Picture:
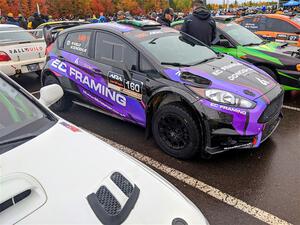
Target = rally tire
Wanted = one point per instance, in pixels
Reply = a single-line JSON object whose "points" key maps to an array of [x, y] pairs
{"points": [[269, 71], [65, 103], [176, 131]]}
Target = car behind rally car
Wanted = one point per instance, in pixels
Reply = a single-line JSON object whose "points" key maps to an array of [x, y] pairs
{"points": [[279, 60], [20, 52], [193, 99], [273, 27], [55, 173]]}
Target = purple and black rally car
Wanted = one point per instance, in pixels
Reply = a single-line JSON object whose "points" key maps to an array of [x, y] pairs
{"points": [[190, 98]]}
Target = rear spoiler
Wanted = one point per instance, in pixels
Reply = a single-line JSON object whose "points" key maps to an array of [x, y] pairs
{"points": [[50, 33]]}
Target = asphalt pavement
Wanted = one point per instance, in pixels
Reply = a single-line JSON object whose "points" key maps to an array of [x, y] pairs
{"points": [[266, 178]]}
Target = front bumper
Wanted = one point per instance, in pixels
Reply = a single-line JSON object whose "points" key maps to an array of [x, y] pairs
{"points": [[228, 128], [11, 68]]}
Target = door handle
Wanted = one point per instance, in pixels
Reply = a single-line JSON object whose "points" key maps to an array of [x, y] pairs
{"points": [[61, 57]]}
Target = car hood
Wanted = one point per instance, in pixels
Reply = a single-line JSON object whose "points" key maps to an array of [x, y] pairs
{"points": [[70, 164], [277, 53], [229, 74]]}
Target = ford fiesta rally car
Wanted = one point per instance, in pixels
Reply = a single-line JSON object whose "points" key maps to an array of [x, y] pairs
{"points": [[191, 98], [20, 52]]}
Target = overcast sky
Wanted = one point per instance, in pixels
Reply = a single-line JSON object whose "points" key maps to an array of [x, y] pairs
{"points": [[239, 1]]}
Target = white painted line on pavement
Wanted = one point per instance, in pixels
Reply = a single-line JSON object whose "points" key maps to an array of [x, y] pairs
{"points": [[201, 186], [291, 108]]}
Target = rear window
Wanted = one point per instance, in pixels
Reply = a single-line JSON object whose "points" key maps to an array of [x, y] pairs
{"points": [[78, 43], [15, 34]]}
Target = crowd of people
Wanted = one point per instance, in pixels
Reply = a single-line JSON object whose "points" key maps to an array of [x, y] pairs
{"points": [[199, 23]]}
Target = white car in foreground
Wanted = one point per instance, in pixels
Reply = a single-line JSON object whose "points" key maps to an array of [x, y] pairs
{"points": [[20, 52], [55, 173]]}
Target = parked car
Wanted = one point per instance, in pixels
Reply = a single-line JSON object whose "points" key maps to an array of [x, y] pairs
{"points": [[20, 51], [58, 25], [273, 27], [279, 60], [53, 172], [193, 99]]}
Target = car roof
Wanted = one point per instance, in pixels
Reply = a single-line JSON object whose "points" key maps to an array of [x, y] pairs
{"points": [[62, 22], [274, 16], [123, 28], [8, 26]]}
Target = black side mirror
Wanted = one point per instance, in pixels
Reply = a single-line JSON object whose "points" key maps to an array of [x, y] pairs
{"points": [[225, 43]]}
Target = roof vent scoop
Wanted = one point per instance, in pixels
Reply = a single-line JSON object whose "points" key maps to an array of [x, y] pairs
{"points": [[105, 204]]}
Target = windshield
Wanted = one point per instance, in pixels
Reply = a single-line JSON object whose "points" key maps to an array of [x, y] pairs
{"points": [[178, 49], [13, 34], [240, 34], [19, 116]]}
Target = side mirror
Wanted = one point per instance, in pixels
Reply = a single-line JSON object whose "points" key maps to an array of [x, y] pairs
{"points": [[50, 94], [225, 43]]}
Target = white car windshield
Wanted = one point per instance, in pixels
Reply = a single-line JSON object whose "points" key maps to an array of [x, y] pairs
{"points": [[19, 118], [15, 34]]}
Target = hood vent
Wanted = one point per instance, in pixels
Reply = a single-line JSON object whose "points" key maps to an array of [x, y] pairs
{"points": [[12, 201], [125, 186], [105, 204], [194, 79], [108, 202]]}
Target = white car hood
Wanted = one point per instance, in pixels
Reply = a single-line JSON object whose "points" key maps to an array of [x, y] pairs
{"points": [[70, 165]]}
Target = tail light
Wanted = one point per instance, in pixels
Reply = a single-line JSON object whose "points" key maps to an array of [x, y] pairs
{"points": [[48, 49], [4, 57]]}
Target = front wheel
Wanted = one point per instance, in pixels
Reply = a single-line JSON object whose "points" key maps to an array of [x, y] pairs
{"points": [[176, 131], [65, 103]]}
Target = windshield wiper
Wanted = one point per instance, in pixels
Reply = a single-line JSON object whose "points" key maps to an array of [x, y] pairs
{"points": [[253, 44], [206, 60], [18, 139], [176, 64]]}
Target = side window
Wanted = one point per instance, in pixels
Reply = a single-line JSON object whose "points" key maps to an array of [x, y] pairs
{"points": [[146, 66], [77, 43], [60, 40], [251, 23], [109, 46], [280, 26]]}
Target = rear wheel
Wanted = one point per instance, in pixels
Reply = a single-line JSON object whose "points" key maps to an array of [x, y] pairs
{"points": [[269, 71], [65, 103], [176, 131]]}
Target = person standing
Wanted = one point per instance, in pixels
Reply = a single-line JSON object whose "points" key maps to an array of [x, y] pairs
{"points": [[37, 20], [200, 23], [166, 18], [11, 20]]}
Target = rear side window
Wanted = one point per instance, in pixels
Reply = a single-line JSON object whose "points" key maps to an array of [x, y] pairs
{"points": [[109, 46], [250, 24], [277, 25], [77, 43]]}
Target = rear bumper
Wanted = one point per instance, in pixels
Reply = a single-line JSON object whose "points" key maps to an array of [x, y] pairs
{"points": [[11, 68]]}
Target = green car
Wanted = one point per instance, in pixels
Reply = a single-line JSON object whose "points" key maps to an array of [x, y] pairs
{"points": [[279, 60]]}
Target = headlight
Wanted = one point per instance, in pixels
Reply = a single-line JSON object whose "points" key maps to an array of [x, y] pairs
{"points": [[224, 97]]}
